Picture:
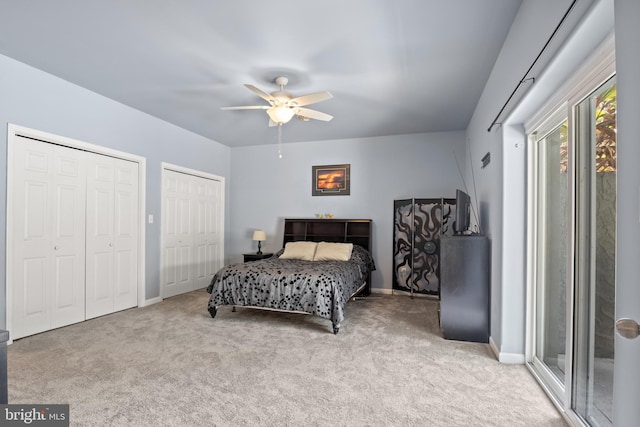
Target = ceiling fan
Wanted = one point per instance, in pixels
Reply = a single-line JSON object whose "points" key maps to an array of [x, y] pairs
{"points": [[283, 106]]}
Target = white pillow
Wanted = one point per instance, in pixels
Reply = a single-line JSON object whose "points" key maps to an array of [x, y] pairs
{"points": [[333, 251], [299, 250]]}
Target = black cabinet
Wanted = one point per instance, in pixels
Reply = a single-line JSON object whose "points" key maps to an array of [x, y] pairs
{"points": [[465, 292], [256, 257]]}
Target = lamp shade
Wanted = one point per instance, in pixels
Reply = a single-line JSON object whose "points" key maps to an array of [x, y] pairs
{"points": [[259, 235], [280, 114]]}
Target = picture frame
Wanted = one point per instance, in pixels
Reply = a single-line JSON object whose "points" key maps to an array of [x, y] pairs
{"points": [[331, 180]]}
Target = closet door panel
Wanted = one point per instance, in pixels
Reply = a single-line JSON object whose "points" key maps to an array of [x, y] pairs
{"points": [[48, 237], [69, 235], [99, 284], [100, 235], [32, 240], [205, 230], [112, 216], [213, 224], [65, 268], [192, 232], [33, 310], [177, 240], [126, 235], [125, 273], [35, 205]]}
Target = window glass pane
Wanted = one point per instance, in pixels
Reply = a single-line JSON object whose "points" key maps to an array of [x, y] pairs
{"points": [[594, 332], [551, 288]]}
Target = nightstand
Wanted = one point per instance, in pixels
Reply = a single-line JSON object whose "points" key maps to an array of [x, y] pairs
{"points": [[255, 257]]}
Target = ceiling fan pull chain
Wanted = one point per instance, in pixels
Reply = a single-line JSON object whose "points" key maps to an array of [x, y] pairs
{"points": [[280, 140]]}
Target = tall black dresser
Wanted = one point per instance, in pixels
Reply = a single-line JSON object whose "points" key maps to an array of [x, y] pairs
{"points": [[464, 289]]}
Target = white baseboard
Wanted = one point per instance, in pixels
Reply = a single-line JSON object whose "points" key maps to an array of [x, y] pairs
{"points": [[387, 291], [506, 358], [381, 291], [494, 348], [151, 301]]}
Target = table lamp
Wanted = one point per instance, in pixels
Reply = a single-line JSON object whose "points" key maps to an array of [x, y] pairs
{"points": [[259, 236]]}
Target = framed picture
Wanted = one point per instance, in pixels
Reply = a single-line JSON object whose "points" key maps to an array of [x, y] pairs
{"points": [[331, 180]]}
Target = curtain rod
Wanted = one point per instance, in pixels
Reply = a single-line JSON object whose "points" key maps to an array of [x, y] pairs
{"points": [[525, 78]]}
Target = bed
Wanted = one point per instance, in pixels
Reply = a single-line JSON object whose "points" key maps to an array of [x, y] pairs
{"points": [[292, 280]]}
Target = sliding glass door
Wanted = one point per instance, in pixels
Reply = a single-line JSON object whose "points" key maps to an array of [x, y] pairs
{"points": [[573, 254], [595, 267], [552, 245]]}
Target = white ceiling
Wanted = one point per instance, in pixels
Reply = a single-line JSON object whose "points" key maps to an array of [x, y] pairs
{"points": [[393, 66]]}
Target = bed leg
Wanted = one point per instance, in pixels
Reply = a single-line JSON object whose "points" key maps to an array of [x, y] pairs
{"points": [[233, 309], [213, 311], [336, 328]]}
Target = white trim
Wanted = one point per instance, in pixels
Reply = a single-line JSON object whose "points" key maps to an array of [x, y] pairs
{"points": [[414, 294], [13, 131], [181, 169], [549, 392], [194, 172], [506, 358], [597, 68], [382, 291], [494, 348], [151, 301]]}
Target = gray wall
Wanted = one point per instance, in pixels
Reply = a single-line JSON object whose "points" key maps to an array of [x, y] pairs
{"points": [[37, 100], [266, 189]]}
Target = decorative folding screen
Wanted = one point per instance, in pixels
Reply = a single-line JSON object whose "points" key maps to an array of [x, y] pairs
{"points": [[417, 227]]}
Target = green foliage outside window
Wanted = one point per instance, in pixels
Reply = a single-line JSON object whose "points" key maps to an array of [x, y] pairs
{"points": [[606, 133]]}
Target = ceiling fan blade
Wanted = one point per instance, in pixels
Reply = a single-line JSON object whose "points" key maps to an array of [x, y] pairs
{"points": [[313, 114], [262, 94], [248, 107], [312, 98]]}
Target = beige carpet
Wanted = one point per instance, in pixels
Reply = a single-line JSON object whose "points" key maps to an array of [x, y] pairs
{"points": [[172, 364]]}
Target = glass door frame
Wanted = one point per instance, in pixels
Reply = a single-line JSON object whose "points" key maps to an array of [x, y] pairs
{"points": [[587, 279], [595, 71], [557, 390]]}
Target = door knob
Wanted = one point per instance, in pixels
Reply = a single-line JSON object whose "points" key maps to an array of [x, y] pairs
{"points": [[55, 248], [627, 328]]}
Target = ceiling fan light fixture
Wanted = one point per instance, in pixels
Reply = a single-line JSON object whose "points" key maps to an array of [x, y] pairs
{"points": [[283, 106], [280, 114]]}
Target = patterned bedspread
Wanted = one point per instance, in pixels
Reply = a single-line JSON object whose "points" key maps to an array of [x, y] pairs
{"points": [[321, 288]]}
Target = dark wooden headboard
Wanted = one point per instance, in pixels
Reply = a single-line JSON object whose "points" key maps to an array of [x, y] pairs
{"points": [[356, 231]]}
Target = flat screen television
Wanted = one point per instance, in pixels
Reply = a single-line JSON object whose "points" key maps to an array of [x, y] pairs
{"points": [[463, 212]]}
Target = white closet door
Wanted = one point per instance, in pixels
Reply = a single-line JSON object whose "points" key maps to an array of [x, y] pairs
{"points": [[178, 256], [192, 231], [48, 237], [100, 234], [112, 213], [126, 235], [207, 235]]}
